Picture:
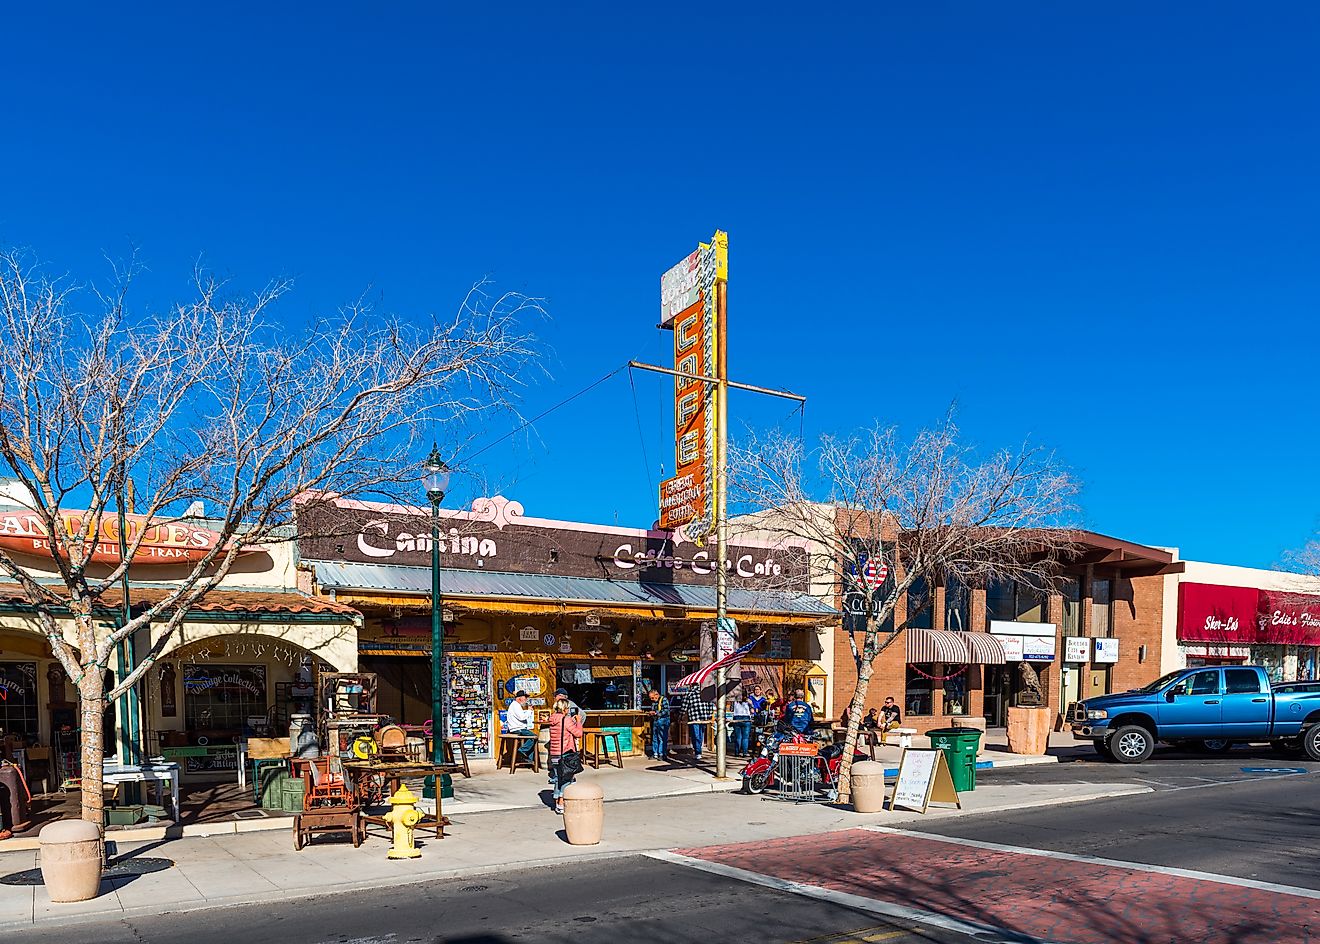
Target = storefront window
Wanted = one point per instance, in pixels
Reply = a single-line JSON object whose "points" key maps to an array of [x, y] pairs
{"points": [[598, 685], [920, 605], [919, 696], [218, 699], [1007, 600], [955, 694], [1272, 659], [1072, 608], [18, 706], [955, 606], [1099, 607]]}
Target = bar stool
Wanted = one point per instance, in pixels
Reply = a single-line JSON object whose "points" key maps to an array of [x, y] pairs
{"points": [[456, 743], [510, 755], [603, 739]]}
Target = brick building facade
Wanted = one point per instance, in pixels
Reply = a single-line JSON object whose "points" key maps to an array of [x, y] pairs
{"points": [[1111, 590]]}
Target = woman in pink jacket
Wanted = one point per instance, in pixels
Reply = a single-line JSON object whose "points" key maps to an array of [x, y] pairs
{"points": [[565, 727]]}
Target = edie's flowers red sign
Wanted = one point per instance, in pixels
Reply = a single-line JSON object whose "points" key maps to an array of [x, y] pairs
{"points": [[23, 532]]}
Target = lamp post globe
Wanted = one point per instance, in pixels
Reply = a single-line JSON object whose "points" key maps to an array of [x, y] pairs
{"points": [[436, 483]]}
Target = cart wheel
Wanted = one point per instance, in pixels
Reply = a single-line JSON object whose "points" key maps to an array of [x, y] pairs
{"points": [[357, 831], [297, 839]]}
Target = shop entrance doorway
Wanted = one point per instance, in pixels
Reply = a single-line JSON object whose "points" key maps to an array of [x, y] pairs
{"points": [[998, 691]]}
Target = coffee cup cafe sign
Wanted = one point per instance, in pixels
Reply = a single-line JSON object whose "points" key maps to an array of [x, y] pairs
{"points": [[363, 535]]}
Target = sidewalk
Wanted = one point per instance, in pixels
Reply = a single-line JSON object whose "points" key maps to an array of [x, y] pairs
{"points": [[489, 790], [261, 866]]}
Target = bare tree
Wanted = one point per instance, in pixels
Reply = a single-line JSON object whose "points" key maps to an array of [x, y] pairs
{"points": [[209, 401], [927, 509]]}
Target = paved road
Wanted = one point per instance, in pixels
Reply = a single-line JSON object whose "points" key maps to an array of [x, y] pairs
{"points": [[1168, 770], [634, 900], [1202, 858]]}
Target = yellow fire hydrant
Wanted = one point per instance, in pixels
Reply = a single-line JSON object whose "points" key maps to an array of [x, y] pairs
{"points": [[403, 816]]}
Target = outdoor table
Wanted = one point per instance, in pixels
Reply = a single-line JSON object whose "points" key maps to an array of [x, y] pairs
{"points": [[393, 773], [156, 775]]}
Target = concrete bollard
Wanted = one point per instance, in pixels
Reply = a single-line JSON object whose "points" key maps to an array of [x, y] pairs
{"points": [[584, 813], [867, 787], [71, 857]]}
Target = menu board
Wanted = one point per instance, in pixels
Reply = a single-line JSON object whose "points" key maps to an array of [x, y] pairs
{"points": [[923, 778], [469, 702]]}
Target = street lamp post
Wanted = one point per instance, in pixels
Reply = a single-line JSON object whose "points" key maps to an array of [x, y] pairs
{"points": [[436, 482]]}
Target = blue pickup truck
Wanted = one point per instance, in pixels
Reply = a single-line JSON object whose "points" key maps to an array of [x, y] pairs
{"points": [[1209, 708]]}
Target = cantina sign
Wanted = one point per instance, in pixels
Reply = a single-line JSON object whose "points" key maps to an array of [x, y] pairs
{"points": [[366, 536], [163, 542]]}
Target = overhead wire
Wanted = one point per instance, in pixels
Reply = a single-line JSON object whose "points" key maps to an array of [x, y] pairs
{"points": [[542, 415]]}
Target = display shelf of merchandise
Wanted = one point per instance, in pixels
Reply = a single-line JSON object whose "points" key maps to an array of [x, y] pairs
{"points": [[469, 703]]}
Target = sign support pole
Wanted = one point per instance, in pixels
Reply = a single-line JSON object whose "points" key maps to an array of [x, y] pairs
{"points": [[721, 384], [721, 520]]}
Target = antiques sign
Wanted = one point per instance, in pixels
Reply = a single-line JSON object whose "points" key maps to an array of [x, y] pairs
{"points": [[163, 542]]}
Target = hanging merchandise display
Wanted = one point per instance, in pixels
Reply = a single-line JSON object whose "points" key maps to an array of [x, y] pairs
{"points": [[470, 702]]}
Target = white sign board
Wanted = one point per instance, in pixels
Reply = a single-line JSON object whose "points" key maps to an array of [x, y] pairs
{"points": [[1038, 648], [1106, 650], [1076, 649], [923, 778], [1016, 628], [1012, 648]]}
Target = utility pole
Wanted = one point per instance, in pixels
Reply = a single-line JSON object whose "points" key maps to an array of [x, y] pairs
{"points": [[719, 385]]}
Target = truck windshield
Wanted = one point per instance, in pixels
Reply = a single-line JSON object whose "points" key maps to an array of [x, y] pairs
{"points": [[1159, 683]]}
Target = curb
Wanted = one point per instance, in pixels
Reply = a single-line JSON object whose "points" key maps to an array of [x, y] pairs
{"points": [[595, 854]]}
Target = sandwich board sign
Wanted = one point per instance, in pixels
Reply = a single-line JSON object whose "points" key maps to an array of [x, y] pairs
{"points": [[923, 779]]}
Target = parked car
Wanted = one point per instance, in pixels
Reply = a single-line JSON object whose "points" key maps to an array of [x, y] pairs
{"points": [[1212, 708]]}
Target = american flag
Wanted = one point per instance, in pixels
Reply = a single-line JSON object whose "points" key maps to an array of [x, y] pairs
{"points": [[701, 676]]}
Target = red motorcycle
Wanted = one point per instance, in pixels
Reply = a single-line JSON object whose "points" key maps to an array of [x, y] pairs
{"points": [[821, 775]]}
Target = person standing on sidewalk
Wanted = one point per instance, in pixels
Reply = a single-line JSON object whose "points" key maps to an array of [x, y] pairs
{"points": [[565, 727], [741, 738], [698, 713], [659, 710]]}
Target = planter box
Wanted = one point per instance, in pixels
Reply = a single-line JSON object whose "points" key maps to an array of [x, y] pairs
{"points": [[123, 815], [1029, 730]]}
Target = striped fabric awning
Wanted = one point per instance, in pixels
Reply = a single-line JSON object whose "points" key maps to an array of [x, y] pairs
{"points": [[941, 645], [986, 649]]}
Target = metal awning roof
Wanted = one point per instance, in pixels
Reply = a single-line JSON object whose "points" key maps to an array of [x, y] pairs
{"points": [[555, 588]]}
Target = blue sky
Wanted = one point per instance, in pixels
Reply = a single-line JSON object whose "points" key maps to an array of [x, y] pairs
{"points": [[1094, 227]]}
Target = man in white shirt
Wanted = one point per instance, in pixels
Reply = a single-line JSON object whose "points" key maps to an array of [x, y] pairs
{"points": [[518, 720]]}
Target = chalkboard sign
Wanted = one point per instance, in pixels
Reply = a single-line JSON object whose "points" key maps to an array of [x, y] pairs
{"points": [[923, 778]]}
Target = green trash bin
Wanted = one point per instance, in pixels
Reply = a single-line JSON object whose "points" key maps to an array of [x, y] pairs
{"points": [[959, 746]]}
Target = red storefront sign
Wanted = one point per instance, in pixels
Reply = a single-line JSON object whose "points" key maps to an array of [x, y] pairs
{"points": [[1245, 616], [163, 542], [1211, 613], [1290, 619]]}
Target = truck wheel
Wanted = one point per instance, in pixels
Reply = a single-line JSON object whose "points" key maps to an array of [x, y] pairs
{"points": [[1311, 742], [1215, 746], [1133, 744]]}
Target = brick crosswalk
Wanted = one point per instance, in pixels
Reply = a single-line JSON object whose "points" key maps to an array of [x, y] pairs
{"points": [[1025, 894]]}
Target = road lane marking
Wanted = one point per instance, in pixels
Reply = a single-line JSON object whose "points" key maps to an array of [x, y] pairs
{"points": [[990, 935], [1270, 887], [861, 936]]}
